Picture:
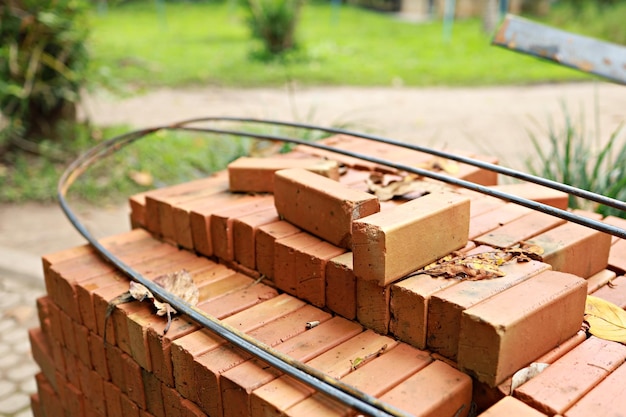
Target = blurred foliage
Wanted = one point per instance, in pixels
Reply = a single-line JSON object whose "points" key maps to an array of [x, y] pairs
{"points": [[43, 66], [572, 156], [603, 19], [274, 23]]}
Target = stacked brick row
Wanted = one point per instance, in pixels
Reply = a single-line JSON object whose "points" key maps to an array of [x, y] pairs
{"points": [[329, 252]]}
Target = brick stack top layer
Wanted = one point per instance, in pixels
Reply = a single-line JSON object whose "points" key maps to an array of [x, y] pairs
{"points": [[448, 342]]}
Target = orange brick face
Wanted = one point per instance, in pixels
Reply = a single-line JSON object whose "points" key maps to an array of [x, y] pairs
{"points": [[256, 175], [494, 341], [321, 206], [390, 244]]}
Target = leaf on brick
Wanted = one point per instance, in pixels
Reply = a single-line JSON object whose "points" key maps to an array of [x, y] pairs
{"points": [[606, 320], [481, 265], [387, 190], [441, 164], [526, 374]]}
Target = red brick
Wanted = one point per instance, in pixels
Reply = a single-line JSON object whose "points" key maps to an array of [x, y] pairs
{"points": [[72, 374], [93, 388], [190, 409], [200, 219], [113, 398], [159, 347], [116, 366], [311, 271], [154, 395], [221, 227], [134, 388], [568, 379], [373, 378], [617, 222], [321, 206], [615, 292], [599, 280], [519, 230], [188, 348], [172, 402], [264, 246], [285, 251], [284, 392], [494, 342], [239, 300], [372, 305], [341, 286], [574, 249], [151, 215], [36, 406], [98, 356], [256, 175], [244, 233], [409, 307], [82, 343], [391, 244], [129, 408], [617, 256], [290, 337], [605, 399], [42, 354], [445, 307], [50, 401], [536, 192], [490, 220], [137, 205], [478, 175], [509, 406], [164, 205], [437, 390], [73, 400]]}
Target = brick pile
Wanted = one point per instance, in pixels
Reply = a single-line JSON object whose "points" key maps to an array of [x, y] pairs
{"points": [[291, 247]]}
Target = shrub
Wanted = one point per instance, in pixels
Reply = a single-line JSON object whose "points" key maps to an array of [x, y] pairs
{"points": [[572, 158], [43, 64], [274, 22]]}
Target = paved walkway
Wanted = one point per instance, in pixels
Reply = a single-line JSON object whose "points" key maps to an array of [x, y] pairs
{"points": [[485, 120]]}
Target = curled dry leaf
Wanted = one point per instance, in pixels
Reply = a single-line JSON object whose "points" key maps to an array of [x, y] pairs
{"points": [[441, 164], [142, 178], [606, 320], [387, 190], [526, 374], [178, 283], [481, 265]]}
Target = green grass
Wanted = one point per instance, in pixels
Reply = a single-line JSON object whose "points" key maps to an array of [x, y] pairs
{"points": [[209, 43], [165, 157]]}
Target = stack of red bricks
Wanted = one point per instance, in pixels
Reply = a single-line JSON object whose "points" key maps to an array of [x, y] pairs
{"points": [[305, 260]]}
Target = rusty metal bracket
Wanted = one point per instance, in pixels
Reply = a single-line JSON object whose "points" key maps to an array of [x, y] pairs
{"points": [[605, 59]]}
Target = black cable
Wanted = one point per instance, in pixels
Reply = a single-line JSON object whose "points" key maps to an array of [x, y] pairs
{"points": [[356, 399]]}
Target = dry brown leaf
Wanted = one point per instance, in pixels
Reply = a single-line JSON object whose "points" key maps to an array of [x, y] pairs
{"points": [[386, 191], [441, 164], [606, 320], [526, 374], [178, 283]]}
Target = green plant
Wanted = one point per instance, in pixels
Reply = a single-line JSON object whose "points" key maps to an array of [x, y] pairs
{"points": [[274, 22], [572, 158], [43, 64]]}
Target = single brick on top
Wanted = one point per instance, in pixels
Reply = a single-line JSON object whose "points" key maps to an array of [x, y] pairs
{"points": [[321, 206], [390, 244], [256, 175], [508, 331]]}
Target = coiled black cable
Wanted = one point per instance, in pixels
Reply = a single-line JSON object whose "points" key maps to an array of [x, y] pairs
{"points": [[347, 394]]}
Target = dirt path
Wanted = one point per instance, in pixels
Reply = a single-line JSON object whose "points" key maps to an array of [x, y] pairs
{"points": [[491, 120]]}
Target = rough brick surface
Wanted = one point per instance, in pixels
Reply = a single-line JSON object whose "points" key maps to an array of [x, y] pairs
{"points": [[321, 206], [264, 244], [445, 307], [519, 230], [256, 175], [605, 399], [536, 192], [509, 406], [574, 249], [341, 286], [390, 244], [579, 370], [494, 341]]}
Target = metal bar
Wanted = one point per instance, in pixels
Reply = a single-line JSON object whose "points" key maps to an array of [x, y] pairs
{"points": [[583, 53], [356, 399], [588, 195]]}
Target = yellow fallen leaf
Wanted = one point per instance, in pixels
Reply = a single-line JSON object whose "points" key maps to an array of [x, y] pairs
{"points": [[142, 178], [606, 320]]}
